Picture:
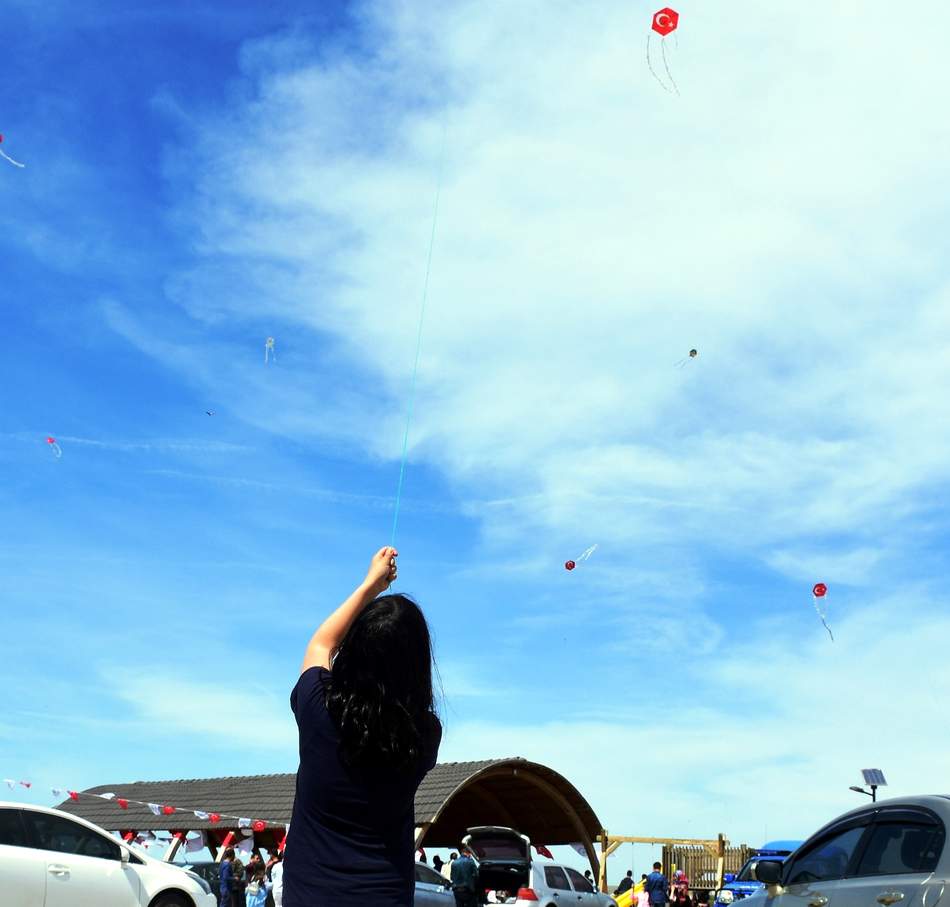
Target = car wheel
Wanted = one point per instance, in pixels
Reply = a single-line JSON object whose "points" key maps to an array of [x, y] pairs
{"points": [[171, 900]]}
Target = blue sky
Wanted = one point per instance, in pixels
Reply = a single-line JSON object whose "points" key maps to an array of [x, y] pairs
{"points": [[201, 176]]}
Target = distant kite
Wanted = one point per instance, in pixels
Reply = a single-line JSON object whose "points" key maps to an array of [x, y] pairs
{"points": [[692, 355], [53, 446], [665, 21], [570, 565], [269, 350], [209, 412], [818, 592], [7, 157]]}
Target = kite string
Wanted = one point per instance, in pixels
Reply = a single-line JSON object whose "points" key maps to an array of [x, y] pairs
{"points": [[663, 85], [10, 159], [422, 315], [666, 65]]}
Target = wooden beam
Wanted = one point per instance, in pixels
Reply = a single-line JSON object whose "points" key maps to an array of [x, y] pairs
{"points": [[178, 838], [712, 843]]}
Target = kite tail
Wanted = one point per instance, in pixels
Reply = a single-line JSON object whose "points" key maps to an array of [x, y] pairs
{"points": [[10, 159], [664, 86], [666, 66], [832, 635], [422, 315]]}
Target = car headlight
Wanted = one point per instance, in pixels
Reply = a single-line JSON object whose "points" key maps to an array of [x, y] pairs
{"points": [[205, 887], [725, 896]]}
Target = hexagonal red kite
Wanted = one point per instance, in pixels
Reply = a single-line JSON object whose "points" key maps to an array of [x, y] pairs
{"points": [[665, 21]]}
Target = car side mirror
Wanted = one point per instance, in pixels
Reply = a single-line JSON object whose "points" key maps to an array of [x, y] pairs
{"points": [[768, 872], [125, 854]]}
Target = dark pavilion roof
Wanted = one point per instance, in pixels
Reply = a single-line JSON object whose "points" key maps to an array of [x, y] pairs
{"points": [[453, 796]]}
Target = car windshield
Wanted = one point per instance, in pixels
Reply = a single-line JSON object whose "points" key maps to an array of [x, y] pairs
{"points": [[745, 874]]}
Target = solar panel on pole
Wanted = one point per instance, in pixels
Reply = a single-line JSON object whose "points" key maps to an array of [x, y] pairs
{"points": [[873, 777]]}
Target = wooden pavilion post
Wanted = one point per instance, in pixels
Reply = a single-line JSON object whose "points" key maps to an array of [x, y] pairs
{"points": [[720, 860]]}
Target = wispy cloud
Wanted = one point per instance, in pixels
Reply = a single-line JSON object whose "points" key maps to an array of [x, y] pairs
{"points": [[246, 715]]}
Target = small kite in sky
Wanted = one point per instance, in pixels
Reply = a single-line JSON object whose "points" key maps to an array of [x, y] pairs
{"points": [[7, 157], [692, 355], [209, 412], [53, 446], [665, 21], [818, 592], [269, 350], [570, 565]]}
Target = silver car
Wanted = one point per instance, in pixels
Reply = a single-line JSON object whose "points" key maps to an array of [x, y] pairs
{"points": [[879, 855], [432, 890]]}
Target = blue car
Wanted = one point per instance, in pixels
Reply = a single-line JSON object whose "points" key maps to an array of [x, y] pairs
{"points": [[744, 883]]}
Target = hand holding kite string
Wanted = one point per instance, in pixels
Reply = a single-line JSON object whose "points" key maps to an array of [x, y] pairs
{"points": [[382, 570], [664, 22], [7, 157], [570, 565], [818, 592]]}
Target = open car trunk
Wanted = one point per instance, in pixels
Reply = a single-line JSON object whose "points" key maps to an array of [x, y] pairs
{"points": [[503, 856]]}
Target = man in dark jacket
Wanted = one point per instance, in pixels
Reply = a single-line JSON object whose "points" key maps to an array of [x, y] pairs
{"points": [[626, 883], [657, 887], [226, 885], [465, 879]]}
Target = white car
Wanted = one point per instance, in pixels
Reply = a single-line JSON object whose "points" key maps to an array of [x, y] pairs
{"points": [[888, 853], [504, 864], [49, 858]]}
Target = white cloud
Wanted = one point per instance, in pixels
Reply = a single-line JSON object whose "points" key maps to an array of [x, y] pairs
{"points": [[240, 713], [768, 734], [592, 229], [782, 216]]}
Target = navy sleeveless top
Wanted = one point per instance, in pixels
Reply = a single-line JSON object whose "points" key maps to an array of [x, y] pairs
{"points": [[351, 839]]}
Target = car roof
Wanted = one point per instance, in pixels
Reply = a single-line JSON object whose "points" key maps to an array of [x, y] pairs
{"points": [[780, 845], [52, 811], [938, 803]]}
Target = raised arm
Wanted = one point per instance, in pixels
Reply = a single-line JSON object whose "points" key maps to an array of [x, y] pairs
{"points": [[329, 635]]}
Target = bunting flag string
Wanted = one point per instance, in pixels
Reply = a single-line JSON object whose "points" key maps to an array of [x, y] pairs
{"points": [[159, 809]]}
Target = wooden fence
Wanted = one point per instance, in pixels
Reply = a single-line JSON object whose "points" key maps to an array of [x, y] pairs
{"points": [[701, 864]]}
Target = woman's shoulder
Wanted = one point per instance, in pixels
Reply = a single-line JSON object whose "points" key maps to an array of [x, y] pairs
{"points": [[310, 687]]}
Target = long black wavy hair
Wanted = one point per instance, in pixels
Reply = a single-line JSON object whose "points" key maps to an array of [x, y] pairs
{"points": [[379, 693]]}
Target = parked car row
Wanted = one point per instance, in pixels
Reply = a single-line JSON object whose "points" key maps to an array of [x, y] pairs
{"points": [[51, 859], [888, 853]]}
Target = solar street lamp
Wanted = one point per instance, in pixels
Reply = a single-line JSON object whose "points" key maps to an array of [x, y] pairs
{"points": [[873, 778]]}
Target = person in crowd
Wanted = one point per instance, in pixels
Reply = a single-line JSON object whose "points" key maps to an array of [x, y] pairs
{"points": [[590, 879], [643, 896], [680, 892], [277, 882], [368, 735], [657, 886], [240, 882], [626, 883], [226, 879], [256, 892], [437, 863], [447, 867], [268, 875], [465, 879]]}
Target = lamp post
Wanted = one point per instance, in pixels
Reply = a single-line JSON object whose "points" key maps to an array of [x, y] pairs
{"points": [[873, 778]]}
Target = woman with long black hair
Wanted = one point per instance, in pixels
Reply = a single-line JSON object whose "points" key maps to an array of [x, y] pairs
{"points": [[368, 735]]}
